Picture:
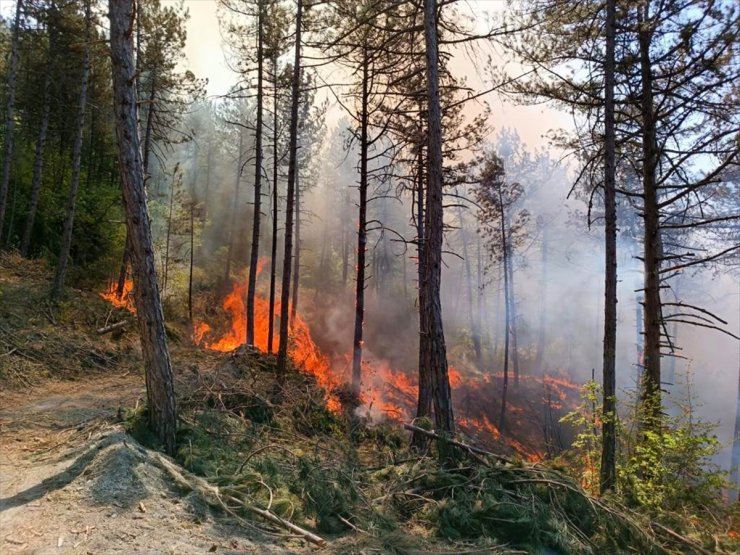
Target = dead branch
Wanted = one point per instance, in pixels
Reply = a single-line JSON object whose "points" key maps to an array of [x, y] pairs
{"points": [[112, 327], [459, 444]]}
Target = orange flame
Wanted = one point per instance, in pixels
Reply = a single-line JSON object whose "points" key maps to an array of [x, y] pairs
{"points": [[124, 301], [386, 392]]}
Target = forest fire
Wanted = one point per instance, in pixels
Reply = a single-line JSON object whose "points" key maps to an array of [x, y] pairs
{"points": [[126, 300], [392, 394]]}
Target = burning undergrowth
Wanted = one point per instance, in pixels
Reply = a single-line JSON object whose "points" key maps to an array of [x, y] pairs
{"points": [[534, 405]]}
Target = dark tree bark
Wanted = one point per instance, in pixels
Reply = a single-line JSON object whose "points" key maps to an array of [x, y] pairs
{"points": [[282, 359], [273, 250], [361, 230], [345, 244], [10, 114], [123, 271], [38, 164], [512, 325], [66, 247], [297, 256], [254, 257], [159, 384], [166, 269], [608, 472], [193, 202], [735, 460], [433, 361], [146, 147], [424, 401], [507, 310], [542, 327], [472, 314], [652, 242]]}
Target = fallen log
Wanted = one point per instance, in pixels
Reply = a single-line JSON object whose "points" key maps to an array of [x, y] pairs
{"points": [[458, 444], [112, 327]]}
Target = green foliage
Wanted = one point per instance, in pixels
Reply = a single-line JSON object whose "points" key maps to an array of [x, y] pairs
{"points": [[670, 469], [585, 451], [663, 468], [312, 417]]}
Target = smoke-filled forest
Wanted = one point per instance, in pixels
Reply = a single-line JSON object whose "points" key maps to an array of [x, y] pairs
{"points": [[382, 276]]}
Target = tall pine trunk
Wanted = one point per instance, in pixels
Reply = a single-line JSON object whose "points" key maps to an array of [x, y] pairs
{"points": [[608, 473], [146, 149], [361, 231], [652, 246], [10, 114], [512, 326], [424, 401], [38, 164], [542, 326], [507, 311], [254, 257], [273, 250], [297, 256], [161, 406], [282, 359], [472, 315], [433, 361], [64, 252]]}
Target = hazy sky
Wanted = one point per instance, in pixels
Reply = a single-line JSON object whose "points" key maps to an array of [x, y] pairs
{"points": [[205, 57]]}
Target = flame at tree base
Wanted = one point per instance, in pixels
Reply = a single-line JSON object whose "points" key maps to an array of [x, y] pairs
{"points": [[126, 300]]}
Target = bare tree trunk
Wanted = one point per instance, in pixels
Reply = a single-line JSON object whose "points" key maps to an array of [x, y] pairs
{"points": [[192, 253], [652, 248], [282, 359], [735, 461], [207, 188], [361, 231], [254, 258], [512, 326], [38, 164], [166, 268], [61, 271], [507, 311], [608, 473], [474, 328], [193, 181], [10, 114], [122, 273], [160, 390], [232, 228], [297, 257], [434, 353], [345, 243], [273, 251], [424, 402], [542, 331], [146, 147]]}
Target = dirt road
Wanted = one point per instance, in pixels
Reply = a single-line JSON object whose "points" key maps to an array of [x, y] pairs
{"points": [[71, 481]]}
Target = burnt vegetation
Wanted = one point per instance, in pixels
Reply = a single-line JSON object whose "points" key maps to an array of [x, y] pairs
{"points": [[370, 315]]}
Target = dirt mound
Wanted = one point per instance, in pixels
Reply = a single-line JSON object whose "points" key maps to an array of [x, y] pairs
{"points": [[108, 495], [71, 481]]}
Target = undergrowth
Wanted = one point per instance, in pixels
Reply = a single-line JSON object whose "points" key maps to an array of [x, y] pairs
{"points": [[363, 486]]}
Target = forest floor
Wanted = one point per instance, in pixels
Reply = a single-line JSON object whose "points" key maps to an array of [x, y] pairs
{"points": [[80, 473], [72, 481]]}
